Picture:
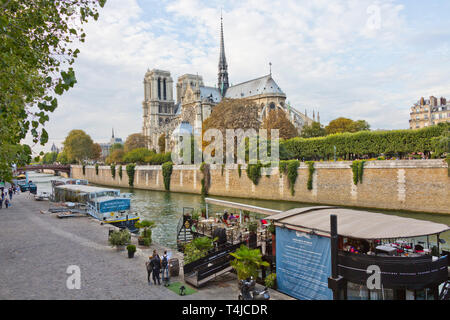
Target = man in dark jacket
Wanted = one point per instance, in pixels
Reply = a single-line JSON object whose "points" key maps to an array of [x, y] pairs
{"points": [[149, 265], [156, 264]]}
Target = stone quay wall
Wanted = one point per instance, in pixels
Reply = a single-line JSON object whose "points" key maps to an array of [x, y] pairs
{"points": [[412, 185]]}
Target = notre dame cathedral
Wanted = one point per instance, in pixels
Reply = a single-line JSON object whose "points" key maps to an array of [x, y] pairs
{"points": [[163, 116]]}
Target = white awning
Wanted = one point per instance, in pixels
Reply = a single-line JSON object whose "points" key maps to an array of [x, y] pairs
{"points": [[356, 223], [241, 206]]}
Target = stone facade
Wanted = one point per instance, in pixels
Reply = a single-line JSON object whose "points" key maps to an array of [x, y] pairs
{"points": [[413, 185], [426, 113]]}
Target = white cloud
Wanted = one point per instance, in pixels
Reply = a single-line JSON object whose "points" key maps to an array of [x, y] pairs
{"points": [[325, 55]]}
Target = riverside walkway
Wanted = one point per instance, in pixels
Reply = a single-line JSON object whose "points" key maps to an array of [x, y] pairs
{"points": [[37, 248]]}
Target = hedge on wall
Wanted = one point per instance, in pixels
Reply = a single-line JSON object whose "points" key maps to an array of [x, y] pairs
{"points": [[120, 172], [311, 170], [206, 180], [357, 169], [290, 168], [254, 172], [84, 169], [130, 172], [113, 170], [96, 168], [167, 172], [354, 145]]}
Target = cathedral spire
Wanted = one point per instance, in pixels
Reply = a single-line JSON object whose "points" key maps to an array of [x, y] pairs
{"points": [[223, 67]]}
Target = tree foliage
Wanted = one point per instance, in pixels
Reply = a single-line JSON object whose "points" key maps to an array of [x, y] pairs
{"points": [[134, 141], [276, 119], [341, 125], [315, 129], [78, 146], [36, 54]]}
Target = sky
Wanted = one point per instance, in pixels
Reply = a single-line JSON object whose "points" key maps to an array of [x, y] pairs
{"points": [[360, 59]]}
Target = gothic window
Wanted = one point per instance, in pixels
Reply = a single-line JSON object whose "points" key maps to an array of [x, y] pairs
{"points": [[167, 120], [159, 88], [159, 109], [160, 121], [272, 106], [164, 89]]}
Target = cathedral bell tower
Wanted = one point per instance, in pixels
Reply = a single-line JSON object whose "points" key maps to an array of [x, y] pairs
{"points": [[223, 67]]}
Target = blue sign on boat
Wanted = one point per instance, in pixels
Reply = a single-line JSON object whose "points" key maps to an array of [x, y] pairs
{"points": [[303, 265], [114, 205]]}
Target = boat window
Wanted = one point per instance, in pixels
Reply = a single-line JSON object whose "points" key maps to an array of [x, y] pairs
{"points": [[357, 291]]}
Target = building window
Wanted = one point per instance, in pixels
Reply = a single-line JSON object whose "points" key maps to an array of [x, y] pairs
{"points": [[159, 88], [164, 89]]}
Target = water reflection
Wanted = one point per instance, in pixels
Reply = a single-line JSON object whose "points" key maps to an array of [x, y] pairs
{"points": [[166, 208]]}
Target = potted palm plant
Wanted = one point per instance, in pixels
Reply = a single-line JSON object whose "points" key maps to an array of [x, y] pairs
{"points": [[247, 262], [131, 250]]}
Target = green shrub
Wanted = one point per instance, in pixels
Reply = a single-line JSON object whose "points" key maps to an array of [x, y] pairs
{"points": [[357, 169], [119, 238], [292, 173], [96, 169], [120, 172], [311, 170], [371, 143], [254, 172], [270, 280], [131, 248], [84, 169], [167, 168], [130, 172], [239, 170], [113, 170]]}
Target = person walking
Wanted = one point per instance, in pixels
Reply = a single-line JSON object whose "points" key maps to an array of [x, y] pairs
{"points": [[149, 265], [10, 193], [156, 265], [1, 203], [6, 203], [165, 268]]}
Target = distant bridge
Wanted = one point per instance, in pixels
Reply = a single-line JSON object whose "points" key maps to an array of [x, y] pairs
{"points": [[55, 167]]}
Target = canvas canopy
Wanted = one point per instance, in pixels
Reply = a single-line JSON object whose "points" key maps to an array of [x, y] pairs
{"points": [[356, 223], [241, 206]]}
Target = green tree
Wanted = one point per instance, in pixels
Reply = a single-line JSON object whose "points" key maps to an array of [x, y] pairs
{"points": [[137, 155], [49, 158], [315, 129], [116, 146], [276, 119], [115, 157], [36, 53], [162, 143], [62, 158], [134, 141], [78, 146], [341, 125]]}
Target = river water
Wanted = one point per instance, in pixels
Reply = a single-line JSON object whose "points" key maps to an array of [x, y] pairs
{"points": [[166, 208]]}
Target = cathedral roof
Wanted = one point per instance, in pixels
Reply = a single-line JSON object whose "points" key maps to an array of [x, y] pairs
{"points": [[210, 92], [263, 85]]}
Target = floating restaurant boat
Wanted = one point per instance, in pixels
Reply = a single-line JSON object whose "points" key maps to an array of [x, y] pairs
{"points": [[336, 253], [362, 255], [104, 204]]}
